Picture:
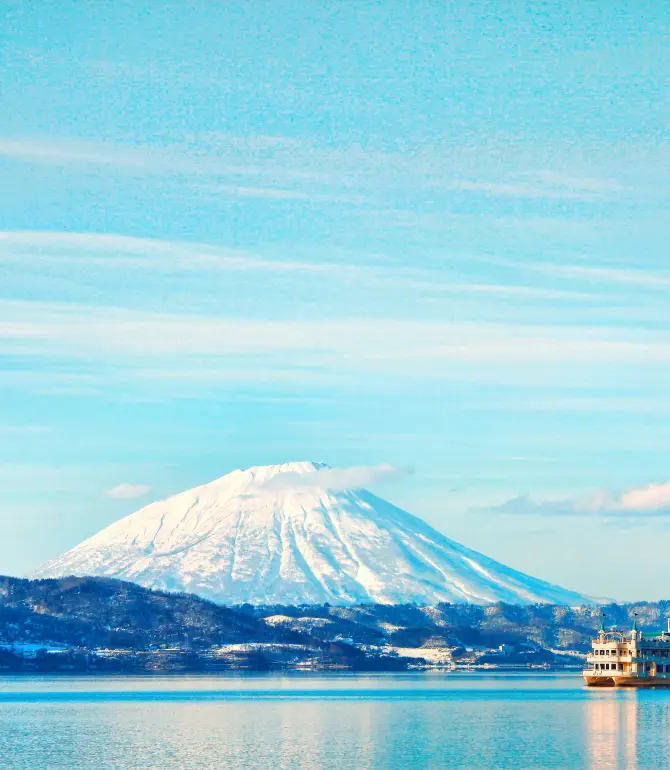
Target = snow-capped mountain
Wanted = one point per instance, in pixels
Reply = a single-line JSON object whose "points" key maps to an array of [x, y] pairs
{"points": [[282, 534]]}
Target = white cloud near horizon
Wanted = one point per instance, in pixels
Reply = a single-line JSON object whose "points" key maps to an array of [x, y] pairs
{"points": [[127, 491], [648, 501], [356, 477]]}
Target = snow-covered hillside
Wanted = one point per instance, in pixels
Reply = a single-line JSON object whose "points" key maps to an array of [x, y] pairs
{"points": [[273, 534]]}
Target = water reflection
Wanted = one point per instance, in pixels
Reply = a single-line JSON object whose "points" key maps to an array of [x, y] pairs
{"points": [[627, 729], [612, 729]]}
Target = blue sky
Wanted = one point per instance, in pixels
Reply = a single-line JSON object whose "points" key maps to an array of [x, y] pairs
{"points": [[433, 236]]}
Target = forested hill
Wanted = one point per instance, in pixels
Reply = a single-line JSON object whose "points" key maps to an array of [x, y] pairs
{"points": [[106, 613], [101, 612]]}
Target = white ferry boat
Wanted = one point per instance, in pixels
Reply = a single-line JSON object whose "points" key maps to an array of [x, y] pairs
{"points": [[629, 659]]}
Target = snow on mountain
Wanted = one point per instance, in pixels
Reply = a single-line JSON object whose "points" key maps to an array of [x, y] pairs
{"points": [[287, 534]]}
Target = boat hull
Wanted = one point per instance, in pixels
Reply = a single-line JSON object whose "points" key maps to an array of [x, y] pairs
{"points": [[626, 681], [599, 681]]}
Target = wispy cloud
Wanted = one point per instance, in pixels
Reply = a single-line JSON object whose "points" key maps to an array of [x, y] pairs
{"points": [[126, 491], [543, 184], [560, 179], [61, 152], [648, 279], [281, 194], [150, 160], [273, 166], [140, 346], [257, 166], [24, 430], [92, 330], [355, 477], [122, 252], [650, 501]]}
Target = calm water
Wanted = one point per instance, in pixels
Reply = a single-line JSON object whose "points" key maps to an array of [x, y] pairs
{"points": [[381, 721]]}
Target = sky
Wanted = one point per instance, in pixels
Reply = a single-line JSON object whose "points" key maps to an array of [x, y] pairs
{"points": [[432, 236]]}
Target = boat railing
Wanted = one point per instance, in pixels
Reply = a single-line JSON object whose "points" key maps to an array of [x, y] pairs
{"points": [[651, 640]]}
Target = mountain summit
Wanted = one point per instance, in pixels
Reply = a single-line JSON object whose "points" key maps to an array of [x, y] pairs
{"points": [[289, 534]]}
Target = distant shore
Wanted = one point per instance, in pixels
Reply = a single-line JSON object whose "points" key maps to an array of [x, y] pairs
{"points": [[106, 626]]}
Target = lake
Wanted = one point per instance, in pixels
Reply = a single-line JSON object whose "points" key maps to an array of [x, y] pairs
{"points": [[417, 720]]}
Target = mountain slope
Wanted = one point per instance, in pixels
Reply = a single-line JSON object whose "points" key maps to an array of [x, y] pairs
{"points": [[273, 534]]}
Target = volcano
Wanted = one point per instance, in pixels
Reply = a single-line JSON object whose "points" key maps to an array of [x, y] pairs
{"points": [[281, 534]]}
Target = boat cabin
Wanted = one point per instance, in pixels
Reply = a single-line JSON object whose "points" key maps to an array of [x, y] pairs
{"points": [[618, 658]]}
